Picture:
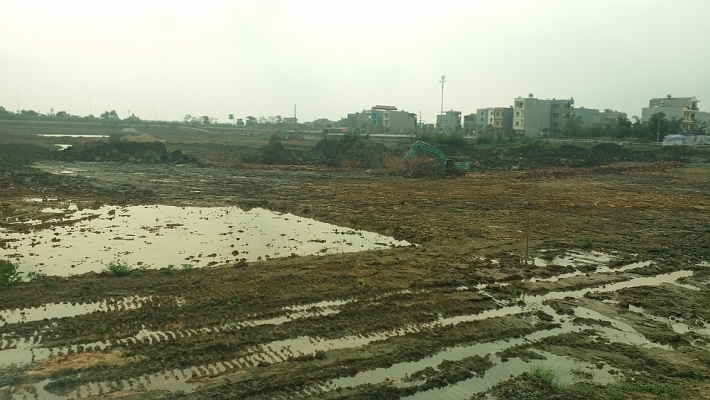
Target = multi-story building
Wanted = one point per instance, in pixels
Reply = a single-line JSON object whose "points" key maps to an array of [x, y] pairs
{"points": [[358, 122], [450, 121], [469, 123], [586, 116], [682, 108], [382, 119], [503, 120], [484, 120], [536, 117]]}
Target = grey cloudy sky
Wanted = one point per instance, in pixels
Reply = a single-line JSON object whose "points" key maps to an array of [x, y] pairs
{"points": [[333, 57]]}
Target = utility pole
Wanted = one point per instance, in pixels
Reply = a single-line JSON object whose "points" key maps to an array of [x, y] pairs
{"points": [[658, 130], [294, 112], [442, 81]]}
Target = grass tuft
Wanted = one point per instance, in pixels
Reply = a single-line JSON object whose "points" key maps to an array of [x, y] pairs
{"points": [[548, 377]]}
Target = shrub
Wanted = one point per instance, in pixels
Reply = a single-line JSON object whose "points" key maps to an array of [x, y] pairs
{"points": [[8, 273]]}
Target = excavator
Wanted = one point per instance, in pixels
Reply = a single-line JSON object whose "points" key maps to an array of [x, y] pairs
{"points": [[450, 166]]}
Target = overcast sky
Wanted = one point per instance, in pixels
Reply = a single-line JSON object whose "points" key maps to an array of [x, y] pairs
{"points": [[332, 57]]}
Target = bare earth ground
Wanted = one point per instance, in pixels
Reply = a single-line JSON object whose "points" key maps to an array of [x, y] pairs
{"points": [[456, 317]]}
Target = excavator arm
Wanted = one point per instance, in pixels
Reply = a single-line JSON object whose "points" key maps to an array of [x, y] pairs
{"points": [[419, 145]]}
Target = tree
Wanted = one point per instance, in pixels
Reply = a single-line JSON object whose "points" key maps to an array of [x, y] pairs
{"points": [[62, 114], [110, 115], [623, 127], [699, 128], [205, 119]]}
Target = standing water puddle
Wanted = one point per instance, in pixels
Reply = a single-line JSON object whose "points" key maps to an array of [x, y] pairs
{"points": [[159, 236]]}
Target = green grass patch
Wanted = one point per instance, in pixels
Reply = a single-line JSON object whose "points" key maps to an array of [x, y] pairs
{"points": [[660, 390], [586, 243]]}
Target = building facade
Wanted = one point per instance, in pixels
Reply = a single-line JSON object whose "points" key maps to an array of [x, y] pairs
{"points": [[450, 121], [534, 117], [381, 119], [503, 120], [586, 116], [469, 123], [682, 108], [484, 120]]}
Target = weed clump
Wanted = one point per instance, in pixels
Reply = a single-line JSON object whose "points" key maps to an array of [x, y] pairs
{"points": [[119, 268], [36, 276]]}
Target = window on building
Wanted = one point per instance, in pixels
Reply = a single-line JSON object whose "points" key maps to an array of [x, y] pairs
{"points": [[517, 123], [555, 106], [518, 104], [497, 113], [555, 124], [556, 115], [517, 113]]}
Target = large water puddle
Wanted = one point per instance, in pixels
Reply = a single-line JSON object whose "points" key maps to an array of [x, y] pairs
{"points": [[160, 236]]}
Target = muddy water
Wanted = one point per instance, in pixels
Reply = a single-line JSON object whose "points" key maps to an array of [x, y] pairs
{"points": [[74, 136], [677, 324], [279, 351], [514, 367], [60, 310], [583, 259], [159, 236]]}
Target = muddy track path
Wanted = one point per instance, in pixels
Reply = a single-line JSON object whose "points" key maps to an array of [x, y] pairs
{"points": [[615, 299]]}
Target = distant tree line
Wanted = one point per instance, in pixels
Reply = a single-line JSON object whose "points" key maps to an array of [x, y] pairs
{"points": [[656, 127]]}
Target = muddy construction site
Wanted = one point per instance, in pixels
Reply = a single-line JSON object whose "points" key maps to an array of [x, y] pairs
{"points": [[206, 264]]}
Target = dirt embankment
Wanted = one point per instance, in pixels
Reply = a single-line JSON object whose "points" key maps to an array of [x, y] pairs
{"points": [[128, 151], [372, 155]]}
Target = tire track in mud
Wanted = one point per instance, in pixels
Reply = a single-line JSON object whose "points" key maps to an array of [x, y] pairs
{"points": [[283, 350], [25, 350], [66, 309], [396, 375]]}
